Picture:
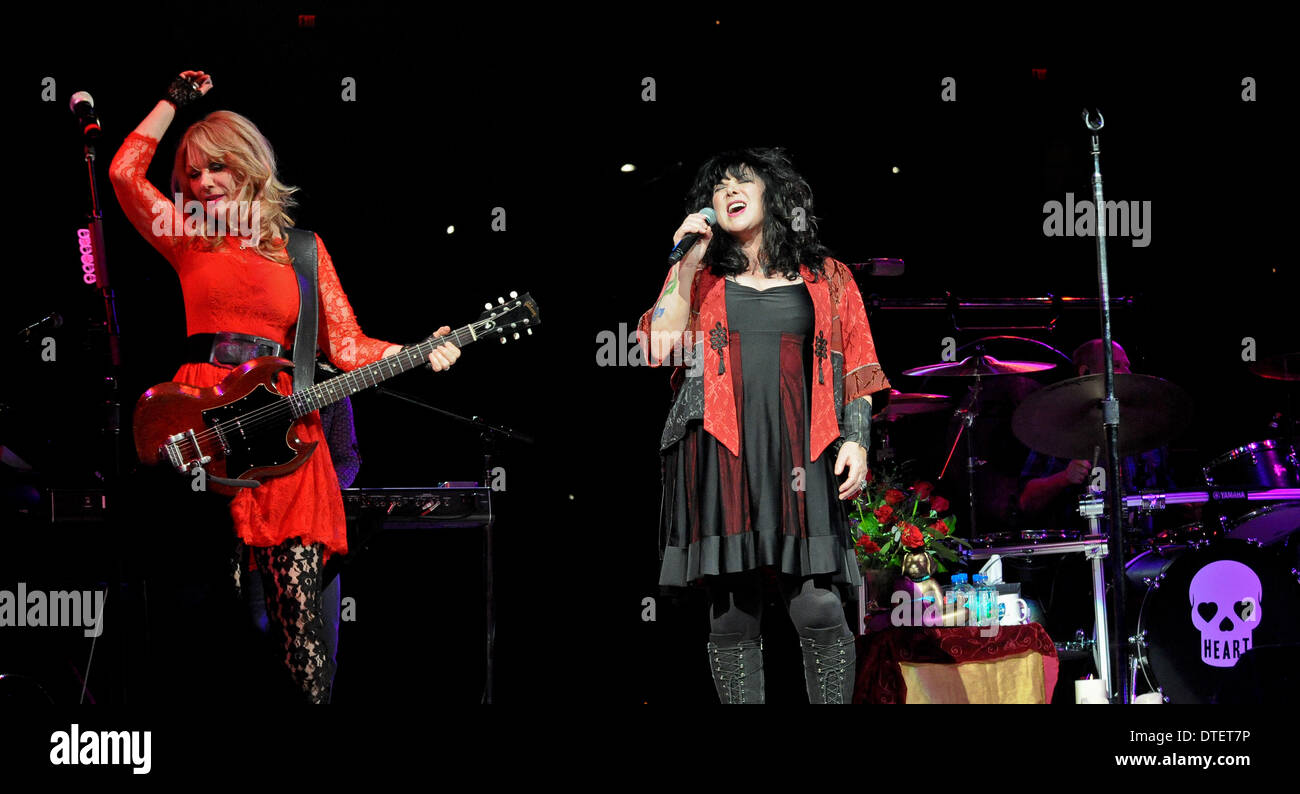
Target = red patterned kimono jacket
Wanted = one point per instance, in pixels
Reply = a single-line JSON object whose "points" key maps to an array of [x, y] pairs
{"points": [[845, 369]]}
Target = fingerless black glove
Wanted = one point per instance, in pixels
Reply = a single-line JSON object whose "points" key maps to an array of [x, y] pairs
{"points": [[182, 92]]}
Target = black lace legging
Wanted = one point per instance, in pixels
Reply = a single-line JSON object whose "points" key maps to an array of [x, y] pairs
{"points": [[291, 582]]}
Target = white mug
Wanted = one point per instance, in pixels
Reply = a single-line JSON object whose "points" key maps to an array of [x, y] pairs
{"points": [[1012, 610]]}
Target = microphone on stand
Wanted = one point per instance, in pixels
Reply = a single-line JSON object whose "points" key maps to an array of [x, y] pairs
{"points": [[54, 320], [83, 107], [688, 242]]}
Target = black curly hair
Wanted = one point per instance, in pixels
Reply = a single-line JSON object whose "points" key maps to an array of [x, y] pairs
{"points": [[784, 191]]}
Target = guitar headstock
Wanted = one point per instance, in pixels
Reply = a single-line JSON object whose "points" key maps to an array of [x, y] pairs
{"points": [[509, 319]]}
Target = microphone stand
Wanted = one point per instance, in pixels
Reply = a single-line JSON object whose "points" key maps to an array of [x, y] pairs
{"points": [[1110, 421], [489, 434], [113, 416], [112, 426]]}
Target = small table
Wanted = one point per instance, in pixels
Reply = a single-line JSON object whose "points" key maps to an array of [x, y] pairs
{"points": [[1017, 664]]}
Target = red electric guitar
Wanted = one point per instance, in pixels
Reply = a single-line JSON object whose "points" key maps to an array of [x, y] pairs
{"points": [[241, 431]]}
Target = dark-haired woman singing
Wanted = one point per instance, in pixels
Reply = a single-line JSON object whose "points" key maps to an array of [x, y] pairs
{"points": [[775, 369]]}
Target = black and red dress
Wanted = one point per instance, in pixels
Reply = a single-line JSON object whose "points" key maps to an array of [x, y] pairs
{"points": [[770, 506]]}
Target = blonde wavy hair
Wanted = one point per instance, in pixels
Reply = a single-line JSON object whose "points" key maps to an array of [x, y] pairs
{"points": [[230, 139]]}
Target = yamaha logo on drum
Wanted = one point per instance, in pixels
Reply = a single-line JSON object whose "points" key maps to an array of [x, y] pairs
{"points": [[1225, 597]]}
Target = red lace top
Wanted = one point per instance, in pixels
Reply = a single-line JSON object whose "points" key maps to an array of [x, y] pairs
{"points": [[239, 290]]}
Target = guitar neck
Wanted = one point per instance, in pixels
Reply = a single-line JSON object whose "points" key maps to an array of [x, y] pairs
{"points": [[409, 357]]}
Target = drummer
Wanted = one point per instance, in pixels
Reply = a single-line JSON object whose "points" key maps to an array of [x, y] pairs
{"points": [[1050, 487]]}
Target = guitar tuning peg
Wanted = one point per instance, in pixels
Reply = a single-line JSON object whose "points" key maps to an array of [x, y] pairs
{"points": [[529, 332], [516, 336], [501, 300], [514, 294], [503, 340], [487, 306]]}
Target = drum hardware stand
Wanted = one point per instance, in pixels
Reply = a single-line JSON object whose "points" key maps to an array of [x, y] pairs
{"points": [[1156, 500], [1135, 663], [1092, 509], [968, 417], [1137, 645], [952, 304], [1153, 501], [884, 452], [1109, 408]]}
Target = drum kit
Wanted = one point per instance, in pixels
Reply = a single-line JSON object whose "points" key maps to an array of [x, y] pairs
{"points": [[1200, 596]]}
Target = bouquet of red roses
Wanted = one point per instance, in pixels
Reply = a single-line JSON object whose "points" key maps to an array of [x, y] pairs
{"points": [[890, 521]]}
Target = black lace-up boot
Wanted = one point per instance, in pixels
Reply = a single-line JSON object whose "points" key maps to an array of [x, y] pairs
{"points": [[829, 664], [737, 668]]}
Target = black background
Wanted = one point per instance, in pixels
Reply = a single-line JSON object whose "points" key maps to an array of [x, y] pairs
{"points": [[457, 115]]}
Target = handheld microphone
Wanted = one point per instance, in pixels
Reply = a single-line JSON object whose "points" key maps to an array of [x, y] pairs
{"points": [[688, 242], [83, 107]]}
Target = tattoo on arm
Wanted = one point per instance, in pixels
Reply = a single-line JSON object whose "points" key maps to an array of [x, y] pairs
{"points": [[659, 313], [672, 285]]}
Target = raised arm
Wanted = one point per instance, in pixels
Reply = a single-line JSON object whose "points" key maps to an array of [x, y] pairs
{"points": [[662, 326], [152, 214]]}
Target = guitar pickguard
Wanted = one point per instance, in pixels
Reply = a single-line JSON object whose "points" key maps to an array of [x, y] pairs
{"points": [[253, 440]]}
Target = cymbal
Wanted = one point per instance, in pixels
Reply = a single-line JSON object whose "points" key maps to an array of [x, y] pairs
{"points": [[1064, 420], [979, 365], [1285, 366], [909, 404]]}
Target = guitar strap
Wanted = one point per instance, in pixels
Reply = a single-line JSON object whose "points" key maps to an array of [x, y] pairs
{"points": [[301, 245]]}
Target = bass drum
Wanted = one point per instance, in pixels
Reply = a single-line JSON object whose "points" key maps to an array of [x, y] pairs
{"points": [[1203, 607]]}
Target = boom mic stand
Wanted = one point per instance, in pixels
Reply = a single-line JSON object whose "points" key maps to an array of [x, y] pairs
{"points": [[1110, 421], [488, 434]]}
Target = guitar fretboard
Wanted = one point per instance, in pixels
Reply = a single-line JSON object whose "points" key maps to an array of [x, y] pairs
{"points": [[408, 358]]}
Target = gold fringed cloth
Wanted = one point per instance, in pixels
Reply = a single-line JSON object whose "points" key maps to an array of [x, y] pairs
{"points": [[1018, 664]]}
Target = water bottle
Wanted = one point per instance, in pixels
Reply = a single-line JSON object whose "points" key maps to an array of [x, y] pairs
{"points": [[991, 608], [985, 599], [956, 598]]}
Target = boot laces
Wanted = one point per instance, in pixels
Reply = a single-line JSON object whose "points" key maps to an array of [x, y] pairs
{"points": [[729, 668], [832, 664]]}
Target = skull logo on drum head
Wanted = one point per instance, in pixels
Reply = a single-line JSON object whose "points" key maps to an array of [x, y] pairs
{"points": [[1225, 598]]}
